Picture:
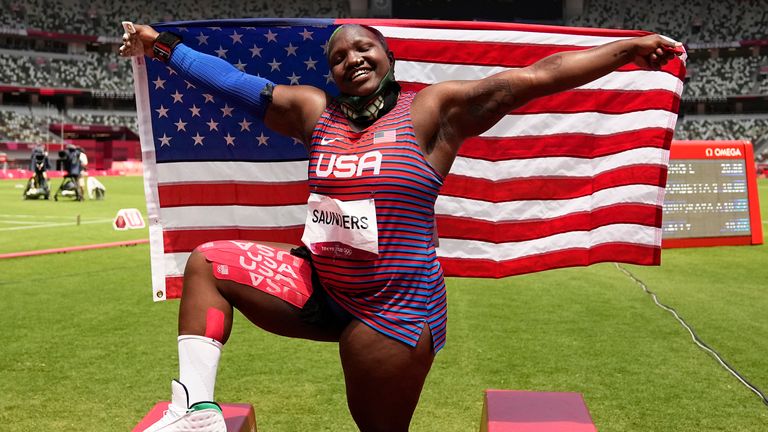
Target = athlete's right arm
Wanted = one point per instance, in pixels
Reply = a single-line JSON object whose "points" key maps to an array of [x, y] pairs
{"points": [[292, 111]]}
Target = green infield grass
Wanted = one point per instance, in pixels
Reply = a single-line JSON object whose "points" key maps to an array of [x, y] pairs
{"points": [[86, 349], [45, 224]]}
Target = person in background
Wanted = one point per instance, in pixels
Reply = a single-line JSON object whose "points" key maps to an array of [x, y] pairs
{"points": [[82, 179], [39, 164]]}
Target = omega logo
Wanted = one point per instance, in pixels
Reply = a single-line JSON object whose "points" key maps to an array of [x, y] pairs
{"points": [[727, 152]]}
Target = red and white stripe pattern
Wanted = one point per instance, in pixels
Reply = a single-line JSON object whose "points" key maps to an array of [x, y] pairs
{"points": [[570, 179]]}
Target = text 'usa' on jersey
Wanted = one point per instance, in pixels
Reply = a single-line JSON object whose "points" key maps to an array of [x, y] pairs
{"points": [[382, 159]]}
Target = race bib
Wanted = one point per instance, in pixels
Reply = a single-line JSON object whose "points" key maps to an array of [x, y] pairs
{"points": [[341, 229]]}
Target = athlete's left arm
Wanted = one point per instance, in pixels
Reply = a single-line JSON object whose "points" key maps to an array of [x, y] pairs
{"points": [[446, 114]]}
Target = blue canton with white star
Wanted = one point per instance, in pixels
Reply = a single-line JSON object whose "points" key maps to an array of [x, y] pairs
{"points": [[195, 124]]}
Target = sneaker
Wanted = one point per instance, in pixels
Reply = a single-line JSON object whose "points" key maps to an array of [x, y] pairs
{"points": [[180, 417]]}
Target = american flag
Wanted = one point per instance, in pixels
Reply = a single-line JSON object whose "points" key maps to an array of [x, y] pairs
{"points": [[570, 179]]}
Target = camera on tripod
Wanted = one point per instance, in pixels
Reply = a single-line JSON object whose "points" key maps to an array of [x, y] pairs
{"points": [[69, 161]]}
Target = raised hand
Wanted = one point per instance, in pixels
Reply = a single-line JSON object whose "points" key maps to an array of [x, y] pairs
{"points": [[654, 51], [137, 40]]}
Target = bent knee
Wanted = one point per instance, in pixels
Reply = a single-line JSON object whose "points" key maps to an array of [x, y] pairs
{"points": [[197, 264]]}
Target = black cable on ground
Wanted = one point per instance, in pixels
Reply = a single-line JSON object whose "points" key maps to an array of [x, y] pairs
{"points": [[694, 336]]}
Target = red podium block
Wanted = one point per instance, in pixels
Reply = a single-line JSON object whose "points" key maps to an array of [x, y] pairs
{"points": [[239, 417], [525, 411]]}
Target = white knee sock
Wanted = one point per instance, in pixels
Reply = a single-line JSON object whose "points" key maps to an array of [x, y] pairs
{"points": [[198, 364]]}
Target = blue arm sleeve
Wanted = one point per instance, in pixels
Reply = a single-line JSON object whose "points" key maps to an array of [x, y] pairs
{"points": [[211, 72]]}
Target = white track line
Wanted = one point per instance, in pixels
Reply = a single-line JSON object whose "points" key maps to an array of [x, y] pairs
{"points": [[13, 222], [56, 225], [35, 216]]}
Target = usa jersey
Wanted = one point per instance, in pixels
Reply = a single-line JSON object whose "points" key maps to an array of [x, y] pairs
{"points": [[403, 288]]}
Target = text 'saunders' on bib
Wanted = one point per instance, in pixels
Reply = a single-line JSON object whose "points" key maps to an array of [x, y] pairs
{"points": [[341, 229]]}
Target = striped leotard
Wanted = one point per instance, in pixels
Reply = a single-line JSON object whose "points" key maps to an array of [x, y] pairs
{"points": [[402, 289]]}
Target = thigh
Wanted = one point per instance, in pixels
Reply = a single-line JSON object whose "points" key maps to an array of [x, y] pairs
{"points": [[384, 377], [274, 314]]}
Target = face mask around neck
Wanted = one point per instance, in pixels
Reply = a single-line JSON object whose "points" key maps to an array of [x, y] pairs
{"points": [[367, 109]]}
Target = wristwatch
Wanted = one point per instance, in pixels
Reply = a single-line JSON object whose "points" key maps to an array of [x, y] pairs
{"points": [[164, 44]]}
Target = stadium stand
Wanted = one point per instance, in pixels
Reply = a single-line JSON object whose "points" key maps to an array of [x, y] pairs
{"points": [[86, 71], [22, 69], [102, 72], [22, 124], [722, 127], [717, 77], [103, 19], [691, 21], [102, 117]]}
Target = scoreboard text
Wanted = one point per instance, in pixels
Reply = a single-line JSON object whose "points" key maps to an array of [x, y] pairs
{"points": [[711, 195]]}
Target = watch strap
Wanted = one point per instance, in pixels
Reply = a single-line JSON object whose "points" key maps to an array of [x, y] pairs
{"points": [[164, 44]]}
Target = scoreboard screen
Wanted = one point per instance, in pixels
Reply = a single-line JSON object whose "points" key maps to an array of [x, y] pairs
{"points": [[711, 195]]}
